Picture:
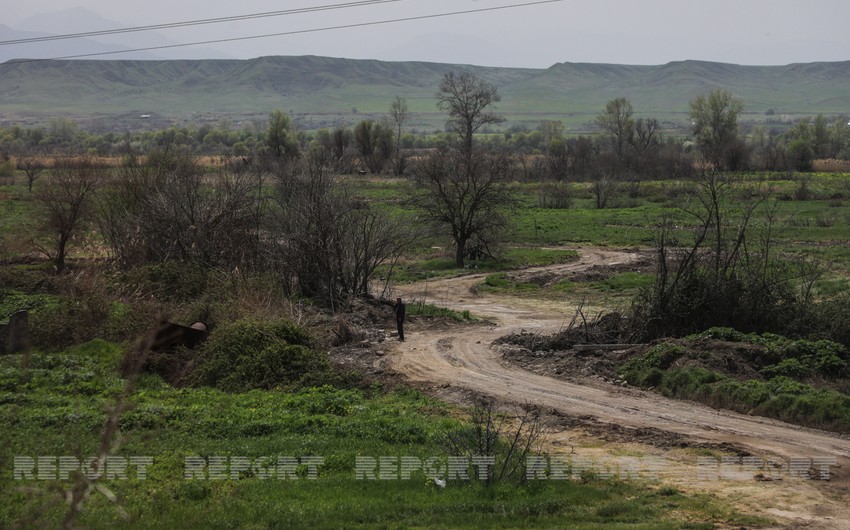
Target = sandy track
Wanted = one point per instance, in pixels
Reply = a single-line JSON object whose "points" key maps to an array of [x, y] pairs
{"points": [[462, 358]]}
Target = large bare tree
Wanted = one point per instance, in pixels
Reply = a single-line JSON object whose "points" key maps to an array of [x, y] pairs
{"points": [[329, 244], [466, 193], [463, 188], [468, 100]]}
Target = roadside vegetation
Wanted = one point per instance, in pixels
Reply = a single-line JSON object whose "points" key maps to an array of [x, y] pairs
{"points": [[798, 381]]}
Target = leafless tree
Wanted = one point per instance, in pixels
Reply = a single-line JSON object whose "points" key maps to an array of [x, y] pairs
{"points": [[169, 209], [468, 101], [33, 167], [329, 244], [398, 116], [605, 186], [461, 187], [66, 197], [468, 194], [509, 438]]}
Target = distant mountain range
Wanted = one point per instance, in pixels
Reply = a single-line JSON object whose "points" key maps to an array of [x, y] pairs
{"points": [[322, 91]]}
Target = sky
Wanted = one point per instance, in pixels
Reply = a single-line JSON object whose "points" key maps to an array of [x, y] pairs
{"points": [[752, 32]]}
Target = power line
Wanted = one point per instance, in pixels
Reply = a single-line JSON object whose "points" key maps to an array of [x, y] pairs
{"points": [[301, 31], [200, 22]]}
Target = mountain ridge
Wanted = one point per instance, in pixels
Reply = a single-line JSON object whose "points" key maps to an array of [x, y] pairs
{"points": [[312, 86]]}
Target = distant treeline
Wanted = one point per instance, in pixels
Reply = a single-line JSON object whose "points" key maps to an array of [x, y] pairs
{"points": [[639, 147]]}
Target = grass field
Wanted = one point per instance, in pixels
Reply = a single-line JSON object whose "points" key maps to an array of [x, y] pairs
{"points": [[56, 406]]}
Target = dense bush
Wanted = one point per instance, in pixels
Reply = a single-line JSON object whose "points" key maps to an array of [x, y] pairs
{"points": [[248, 354]]}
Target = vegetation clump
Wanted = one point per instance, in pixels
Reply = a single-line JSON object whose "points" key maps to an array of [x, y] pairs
{"points": [[799, 381], [249, 354]]}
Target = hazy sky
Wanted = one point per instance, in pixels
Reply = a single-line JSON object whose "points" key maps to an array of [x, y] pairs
{"points": [[613, 31]]}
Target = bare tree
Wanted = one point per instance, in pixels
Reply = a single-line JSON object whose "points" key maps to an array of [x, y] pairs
{"points": [[328, 244], [398, 116], [33, 167], [169, 209], [646, 142], [508, 438], [468, 100], [605, 186], [468, 194], [463, 188], [66, 197]]}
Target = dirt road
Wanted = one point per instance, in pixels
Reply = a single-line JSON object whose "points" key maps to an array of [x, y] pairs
{"points": [[462, 358]]}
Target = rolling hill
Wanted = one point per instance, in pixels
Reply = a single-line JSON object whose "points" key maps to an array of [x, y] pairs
{"points": [[322, 91]]}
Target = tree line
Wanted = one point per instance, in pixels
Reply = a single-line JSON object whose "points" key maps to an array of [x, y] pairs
{"points": [[622, 142]]}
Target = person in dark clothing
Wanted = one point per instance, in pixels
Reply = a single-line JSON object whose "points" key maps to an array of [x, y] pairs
{"points": [[399, 317]]}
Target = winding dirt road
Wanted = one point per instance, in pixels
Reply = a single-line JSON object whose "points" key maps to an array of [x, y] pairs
{"points": [[462, 358]]}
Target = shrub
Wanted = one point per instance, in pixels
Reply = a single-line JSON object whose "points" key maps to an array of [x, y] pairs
{"points": [[247, 354], [556, 195], [648, 370], [169, 280], [7, 168], [76, 318], [660, 356]]}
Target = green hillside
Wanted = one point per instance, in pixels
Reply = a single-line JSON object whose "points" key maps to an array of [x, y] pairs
{"points": [[321, 91]]}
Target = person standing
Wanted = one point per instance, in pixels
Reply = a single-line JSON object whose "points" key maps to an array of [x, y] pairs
{"points": [[399, 310]]}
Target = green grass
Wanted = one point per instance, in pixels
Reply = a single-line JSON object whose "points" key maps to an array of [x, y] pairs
{"points": [[56, 406], [428, 310], [500, 282]]}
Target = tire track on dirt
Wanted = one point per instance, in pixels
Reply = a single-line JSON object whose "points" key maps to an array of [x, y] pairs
{"points": [[462, 358]]}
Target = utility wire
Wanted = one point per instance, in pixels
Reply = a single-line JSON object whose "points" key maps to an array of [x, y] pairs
{"points": [[299, 32], [200, 22]]}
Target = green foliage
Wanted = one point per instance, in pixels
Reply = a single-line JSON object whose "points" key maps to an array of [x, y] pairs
{"points": [[781, 395], [428, 310], [624, 281], [7, 168], [660, 356], [249, 354], [780, 356], [56, 407], [69, 320], [501, 282], [13, 301]]}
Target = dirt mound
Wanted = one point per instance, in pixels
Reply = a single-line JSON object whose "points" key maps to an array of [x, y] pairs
{"points": [[554, 356], [604, 329]]}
